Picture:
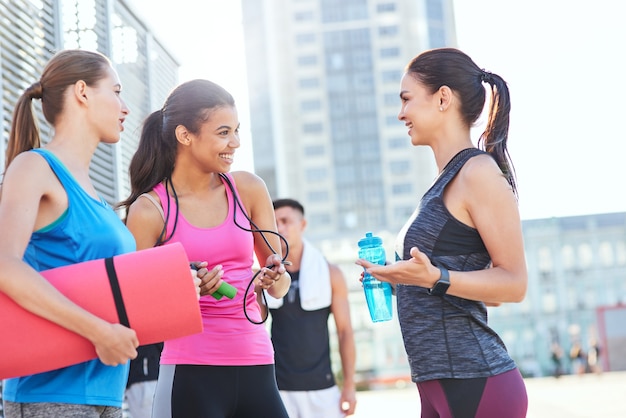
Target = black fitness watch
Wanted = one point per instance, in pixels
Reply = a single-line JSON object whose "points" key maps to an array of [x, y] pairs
{"points": [[441, 286]]}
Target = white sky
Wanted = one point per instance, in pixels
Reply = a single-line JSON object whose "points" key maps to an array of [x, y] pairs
{"points": [[564, 61]]}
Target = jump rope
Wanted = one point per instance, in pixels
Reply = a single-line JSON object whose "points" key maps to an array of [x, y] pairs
{"points": [[262, 232]]}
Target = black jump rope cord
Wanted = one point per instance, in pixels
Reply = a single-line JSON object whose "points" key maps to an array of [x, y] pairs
{"points": [[262, 232]]}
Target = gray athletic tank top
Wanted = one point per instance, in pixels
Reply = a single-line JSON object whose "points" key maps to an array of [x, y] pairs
{"points": [[446, 337]]}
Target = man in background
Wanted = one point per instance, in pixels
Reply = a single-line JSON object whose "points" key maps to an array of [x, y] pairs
{"points": [[142, 380], [299, 326]]}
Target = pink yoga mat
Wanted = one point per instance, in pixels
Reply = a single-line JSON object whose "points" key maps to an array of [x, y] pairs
{"points": [[159, 299]]}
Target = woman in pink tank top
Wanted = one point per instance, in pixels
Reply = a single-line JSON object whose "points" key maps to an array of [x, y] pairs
{"points": [[182, 191]]}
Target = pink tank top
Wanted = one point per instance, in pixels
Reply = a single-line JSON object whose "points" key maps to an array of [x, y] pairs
{"points": [[228, 338]]}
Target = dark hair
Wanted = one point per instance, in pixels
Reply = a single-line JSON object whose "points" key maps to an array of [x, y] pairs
{"points": [[190, 105], [64, 69], [450, 67], [292, 203]]}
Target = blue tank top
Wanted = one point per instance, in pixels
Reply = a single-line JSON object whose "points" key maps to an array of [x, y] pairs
{"points": [[301, 344], [89, 229], [446, 337]]}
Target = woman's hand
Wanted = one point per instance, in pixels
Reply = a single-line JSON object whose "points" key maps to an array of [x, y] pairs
{"points": [[418, 270], [274, 277], [210, 280], [271, 273], [116, 344]]}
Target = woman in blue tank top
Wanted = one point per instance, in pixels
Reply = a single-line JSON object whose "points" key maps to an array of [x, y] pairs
{"points": [[51, 216], [462, 249]]}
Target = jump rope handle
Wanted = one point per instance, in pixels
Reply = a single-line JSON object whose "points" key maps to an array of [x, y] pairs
{"points": [[225, 289]]}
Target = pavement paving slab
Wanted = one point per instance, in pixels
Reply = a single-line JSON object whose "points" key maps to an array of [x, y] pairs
{"points": [[570, 396]]}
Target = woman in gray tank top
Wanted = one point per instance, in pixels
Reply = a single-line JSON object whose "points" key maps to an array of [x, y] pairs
{"points": [[462, 249]]}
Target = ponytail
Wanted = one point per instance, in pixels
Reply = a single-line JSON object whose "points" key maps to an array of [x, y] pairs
{"points": [[494, 139], [153, 161], [64, 69], [24, 134]]}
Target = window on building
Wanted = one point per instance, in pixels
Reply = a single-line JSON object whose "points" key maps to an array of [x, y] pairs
{"points": [[391, 76], [385, 31], [392, 99], [309, 83], [79, 21], [403, 212], [317, 196], [344, 10], [389, 52], [316, 174], [568, 257], [310, 105], [585, 255], [401, 188], [307, 60], [548, 301], [345, 174], [605, 251], [620, 253], [124, 46], [399, 143], [312, 128], [392, 120], [305, 38], [385, 7], [304, 16], [316, 220], [314, 150], [436, 36], [399, 167], [545, 259], [365, 103]]}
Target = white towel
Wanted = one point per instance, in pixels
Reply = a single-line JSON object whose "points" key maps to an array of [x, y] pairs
{"points": [[314, 279]]}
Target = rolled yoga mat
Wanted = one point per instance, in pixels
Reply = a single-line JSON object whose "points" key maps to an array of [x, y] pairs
{"points": [[149, 290]]}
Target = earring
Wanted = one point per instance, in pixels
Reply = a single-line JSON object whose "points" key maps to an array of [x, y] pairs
{"points": [[441, 108]]}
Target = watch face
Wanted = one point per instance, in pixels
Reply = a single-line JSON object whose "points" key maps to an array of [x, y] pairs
{"points": [[440, 288]]}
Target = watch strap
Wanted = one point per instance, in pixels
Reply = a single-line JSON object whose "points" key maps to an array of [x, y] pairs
{"points": [[441, 286]]}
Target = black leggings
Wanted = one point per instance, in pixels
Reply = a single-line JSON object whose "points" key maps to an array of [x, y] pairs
{"points": [[192, 391], [503, 395]]}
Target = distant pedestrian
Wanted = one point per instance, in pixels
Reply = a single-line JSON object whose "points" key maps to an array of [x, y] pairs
{"points": [[593, 357], [557, 358], [577, 358]]}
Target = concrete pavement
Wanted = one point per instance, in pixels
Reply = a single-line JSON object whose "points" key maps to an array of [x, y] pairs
{"points": [[569, 396]]}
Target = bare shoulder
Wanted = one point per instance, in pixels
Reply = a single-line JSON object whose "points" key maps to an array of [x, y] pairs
{"points": [[247, 179], [480, 172], [335, 271], [145, 207], [337, 278], [28, 171], [249, 184]]}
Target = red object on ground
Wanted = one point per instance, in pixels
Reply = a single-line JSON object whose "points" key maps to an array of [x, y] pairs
{"points": [[159, 296]]}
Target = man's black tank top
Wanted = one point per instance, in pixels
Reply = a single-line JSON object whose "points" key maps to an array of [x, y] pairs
{"points": [[301, 344]]}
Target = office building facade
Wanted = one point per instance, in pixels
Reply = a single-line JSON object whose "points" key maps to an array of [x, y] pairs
{"points": [[31, 32], [323, 80]]}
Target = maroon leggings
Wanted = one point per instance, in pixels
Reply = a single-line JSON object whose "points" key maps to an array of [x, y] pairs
{"points": [[503, 395]]}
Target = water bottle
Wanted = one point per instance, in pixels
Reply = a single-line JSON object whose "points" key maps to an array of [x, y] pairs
{"points": [[377, 293]]}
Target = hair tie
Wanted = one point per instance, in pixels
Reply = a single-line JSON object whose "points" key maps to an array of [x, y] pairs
{"points": [[486, 76], [35, 91]]}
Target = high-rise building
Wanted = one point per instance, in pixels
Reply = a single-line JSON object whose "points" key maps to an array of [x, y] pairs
{"points": [[324, 78]]}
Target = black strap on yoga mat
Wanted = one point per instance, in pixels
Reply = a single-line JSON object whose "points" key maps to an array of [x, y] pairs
{"points": [[117, 292]]}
